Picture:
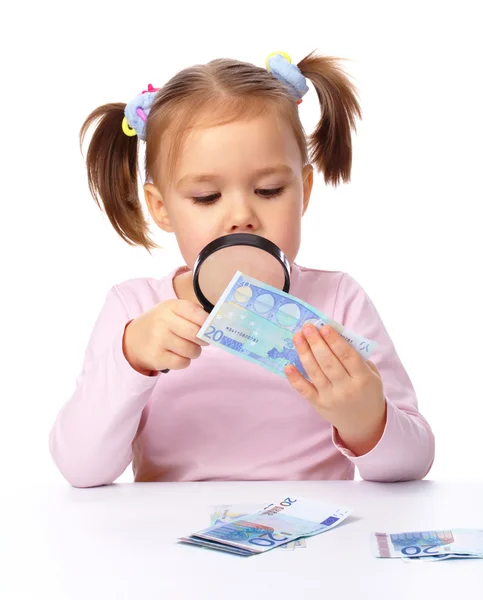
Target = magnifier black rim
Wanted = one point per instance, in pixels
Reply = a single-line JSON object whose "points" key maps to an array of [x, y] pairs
{"points": [[237, 239]]}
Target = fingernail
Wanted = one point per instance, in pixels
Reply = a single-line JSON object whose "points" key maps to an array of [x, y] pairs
{"points": [[325, 330], [308, 331]]}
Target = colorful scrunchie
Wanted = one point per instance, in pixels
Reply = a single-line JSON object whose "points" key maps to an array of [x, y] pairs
{"points": [[280, 64], [136, 113]]}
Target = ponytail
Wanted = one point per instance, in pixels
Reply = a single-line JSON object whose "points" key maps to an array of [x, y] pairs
{"points": [[330, 145], [112, 171]]}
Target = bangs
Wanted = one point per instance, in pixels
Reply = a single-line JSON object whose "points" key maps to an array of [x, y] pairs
{"points": [[173, 129]]}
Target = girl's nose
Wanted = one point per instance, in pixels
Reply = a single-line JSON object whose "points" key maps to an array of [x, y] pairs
{"points": [[241, 217]]}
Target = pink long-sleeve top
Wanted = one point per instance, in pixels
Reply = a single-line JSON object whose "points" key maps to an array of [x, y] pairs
{"points": [[224, 418]]}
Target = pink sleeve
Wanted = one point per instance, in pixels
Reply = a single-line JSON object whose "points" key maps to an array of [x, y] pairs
{"points": [[91, 439], [406, 448]]}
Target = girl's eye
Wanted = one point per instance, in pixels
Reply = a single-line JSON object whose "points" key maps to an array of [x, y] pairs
{"points": [[206, 199], [264, 193], [271, 193]]}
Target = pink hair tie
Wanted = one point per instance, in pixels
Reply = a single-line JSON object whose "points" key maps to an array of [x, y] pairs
{"points": [[150, 89]]}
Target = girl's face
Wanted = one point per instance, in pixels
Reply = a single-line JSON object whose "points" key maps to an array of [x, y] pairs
{"points": [[240, 177]]}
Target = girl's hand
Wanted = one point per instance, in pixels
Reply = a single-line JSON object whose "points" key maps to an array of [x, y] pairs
{"points": [[164, 337], [345, 390]]}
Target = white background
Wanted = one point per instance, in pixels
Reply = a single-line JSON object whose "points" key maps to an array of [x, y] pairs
{"points": [[408, 227]]}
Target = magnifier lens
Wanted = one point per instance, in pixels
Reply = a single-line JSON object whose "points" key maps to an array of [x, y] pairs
{"points": [[218, 269]]}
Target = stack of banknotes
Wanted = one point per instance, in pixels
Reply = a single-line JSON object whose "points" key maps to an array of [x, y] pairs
{"points": [[273, 526], [224, 513], [429, 545], [256, 322]]}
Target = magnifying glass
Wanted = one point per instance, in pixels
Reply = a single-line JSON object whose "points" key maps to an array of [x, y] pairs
{"points": [[251, 254]]}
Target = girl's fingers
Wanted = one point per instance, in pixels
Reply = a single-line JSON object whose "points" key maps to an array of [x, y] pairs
{"points": [[330, 364], [182, 347], [175, 362], [373, 367], [300, 384], [309, 362], [185, 329], [349, 359], [190, 312]]}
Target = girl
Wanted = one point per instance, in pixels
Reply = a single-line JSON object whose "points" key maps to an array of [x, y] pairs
{"points": [[226, 153]]}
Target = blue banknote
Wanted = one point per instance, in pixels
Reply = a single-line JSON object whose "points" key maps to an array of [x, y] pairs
{"points": [[273, 526], [425, 545], [192, 540], [257, 322], [224, 513]]}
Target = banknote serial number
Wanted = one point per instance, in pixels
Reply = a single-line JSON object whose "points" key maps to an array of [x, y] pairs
{"points": [[241, 334], [217, 334]]}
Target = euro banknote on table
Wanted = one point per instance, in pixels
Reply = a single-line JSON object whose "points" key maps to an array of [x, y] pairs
{"points": [[273, 526], [429, 545], [224, 513], [256, 321]]}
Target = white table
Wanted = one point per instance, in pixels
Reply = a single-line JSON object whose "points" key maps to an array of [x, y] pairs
{"points": [[119, 542]]}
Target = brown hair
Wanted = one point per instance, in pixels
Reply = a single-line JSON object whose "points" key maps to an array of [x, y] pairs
{"points": [[222, 90]]}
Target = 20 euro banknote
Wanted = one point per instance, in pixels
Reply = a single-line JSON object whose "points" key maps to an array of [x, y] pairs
{"points": [[256, 321], [224, 513], [276, 524], [429, 545]]}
